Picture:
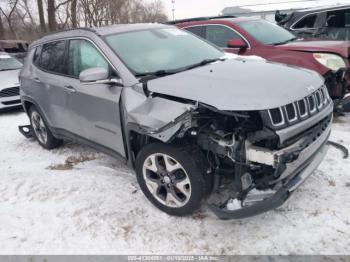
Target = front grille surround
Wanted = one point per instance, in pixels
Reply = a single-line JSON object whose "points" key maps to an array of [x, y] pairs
{"points": [[297, 111]]}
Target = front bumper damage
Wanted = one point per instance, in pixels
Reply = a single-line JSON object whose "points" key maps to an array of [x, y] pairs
{"points": [[338, 84], [292, 176]]}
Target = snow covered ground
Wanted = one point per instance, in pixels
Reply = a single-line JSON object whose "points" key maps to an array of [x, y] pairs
{"points": [[74, 200]]}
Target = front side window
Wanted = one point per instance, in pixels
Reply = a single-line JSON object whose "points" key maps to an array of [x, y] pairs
{"points": [[153, 50], [306, 23], [267, 33], [53, 57], [84, 55], [220, 35], [9, 63]]}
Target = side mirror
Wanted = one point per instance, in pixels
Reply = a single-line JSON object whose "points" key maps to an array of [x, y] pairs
{"points": [[237, 43], [98, 75], [93, 75]]}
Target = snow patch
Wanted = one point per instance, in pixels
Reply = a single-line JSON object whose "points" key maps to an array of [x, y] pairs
{"points": [[234, 204]]}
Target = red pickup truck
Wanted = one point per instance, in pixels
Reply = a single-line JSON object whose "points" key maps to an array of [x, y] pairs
{"points": [[252, 36]]}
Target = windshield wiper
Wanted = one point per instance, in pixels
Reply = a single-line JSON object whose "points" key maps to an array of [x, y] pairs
{"points": [[203, 63], [151, 75], [285, 42]]}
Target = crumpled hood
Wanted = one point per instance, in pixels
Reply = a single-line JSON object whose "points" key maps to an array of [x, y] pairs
{"points": [[239, 84], [336, 47], [9, 78]]}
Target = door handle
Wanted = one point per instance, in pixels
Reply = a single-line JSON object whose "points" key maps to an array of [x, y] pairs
{"points": [[36, 79], [70, 89]]}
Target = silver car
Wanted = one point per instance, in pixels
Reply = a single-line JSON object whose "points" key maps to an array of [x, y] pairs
{"points": [[9, 83], [239, 134]]}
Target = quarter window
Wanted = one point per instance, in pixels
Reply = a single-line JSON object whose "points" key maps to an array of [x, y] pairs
{"points": [[83, 55], [52, 57], [36, 57], [220, 35]]}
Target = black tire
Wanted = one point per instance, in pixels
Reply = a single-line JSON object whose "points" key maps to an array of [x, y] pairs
{"points": [[50, 142], [192, 165]]}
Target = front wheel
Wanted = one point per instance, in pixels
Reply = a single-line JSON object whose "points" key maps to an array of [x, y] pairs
{"points": [[172, 178]]}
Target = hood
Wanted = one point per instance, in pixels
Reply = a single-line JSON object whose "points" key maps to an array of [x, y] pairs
{"points": [[240, 85], [9, 78], [337, 47]]}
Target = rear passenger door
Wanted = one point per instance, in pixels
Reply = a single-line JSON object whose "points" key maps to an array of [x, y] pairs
{"points": [[93, 108], [48, 79]]}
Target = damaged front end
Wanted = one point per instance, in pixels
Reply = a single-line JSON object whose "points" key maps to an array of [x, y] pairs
{"points": [[255, 159], [338, 84]]}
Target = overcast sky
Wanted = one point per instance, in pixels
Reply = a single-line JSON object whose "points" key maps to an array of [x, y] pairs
{"points": [[195, 8]]}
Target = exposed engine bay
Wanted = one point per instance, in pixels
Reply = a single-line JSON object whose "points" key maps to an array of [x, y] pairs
{"points": [[245, 158]]}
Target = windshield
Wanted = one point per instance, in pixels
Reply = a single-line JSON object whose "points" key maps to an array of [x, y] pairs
{"points": [[267, 33], [9, 63], [163, 49]]}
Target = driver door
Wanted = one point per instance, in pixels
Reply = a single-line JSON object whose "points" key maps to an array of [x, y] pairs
{"points": [[94, 107]]}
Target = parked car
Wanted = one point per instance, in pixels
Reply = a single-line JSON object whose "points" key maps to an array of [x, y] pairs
{"points": [[9, 83], [17, 48], [253, 36], [322, 22], [191, 123]]}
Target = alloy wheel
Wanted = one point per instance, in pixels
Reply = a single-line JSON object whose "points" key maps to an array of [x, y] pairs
{"points": [[39, 127], [167, 180]]}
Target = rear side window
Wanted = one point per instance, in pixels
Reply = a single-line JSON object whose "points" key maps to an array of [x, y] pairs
{"points": [[220, 35], [306, 23], [338, 18], [53, 57], [84, 55]]}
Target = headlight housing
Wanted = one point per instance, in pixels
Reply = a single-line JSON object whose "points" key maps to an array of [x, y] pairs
{"points": [[333, 62]]}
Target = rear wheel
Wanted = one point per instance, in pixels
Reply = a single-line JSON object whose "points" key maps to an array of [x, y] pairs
{"points": [[41, 131], [171, 178]]}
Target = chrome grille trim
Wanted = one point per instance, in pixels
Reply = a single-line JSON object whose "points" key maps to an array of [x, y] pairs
{"points": [[282, 117], [295, 118], [313, 103], [319, 101], [314, 108], [306, 111]]}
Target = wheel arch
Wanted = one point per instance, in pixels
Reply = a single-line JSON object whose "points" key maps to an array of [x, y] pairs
{"points": [[136, 140]]}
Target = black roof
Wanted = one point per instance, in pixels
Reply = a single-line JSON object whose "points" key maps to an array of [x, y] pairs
{"points": [[322, 8], [199, 19]]}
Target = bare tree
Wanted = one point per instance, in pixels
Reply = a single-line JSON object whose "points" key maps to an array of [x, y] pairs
{"points": [[41, 16], [2, 29], [19, 19], [51, 14], [8, 16], [73, 13]]}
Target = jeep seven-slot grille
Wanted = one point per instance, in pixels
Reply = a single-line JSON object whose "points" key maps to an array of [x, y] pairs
{"points": [[8, 92], [299, 110]]}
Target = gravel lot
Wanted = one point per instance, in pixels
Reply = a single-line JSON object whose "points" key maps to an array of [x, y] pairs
{"points": [[74, 200]]}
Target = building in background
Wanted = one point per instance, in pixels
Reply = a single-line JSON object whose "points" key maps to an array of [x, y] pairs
{"points": [[267, 11]]}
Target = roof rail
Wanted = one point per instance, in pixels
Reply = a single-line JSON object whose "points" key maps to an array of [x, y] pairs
{"points": [[199, 19], [71, 29]]}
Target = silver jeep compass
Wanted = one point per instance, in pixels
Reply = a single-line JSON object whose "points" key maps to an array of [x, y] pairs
{"points": [[196, 126]]}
